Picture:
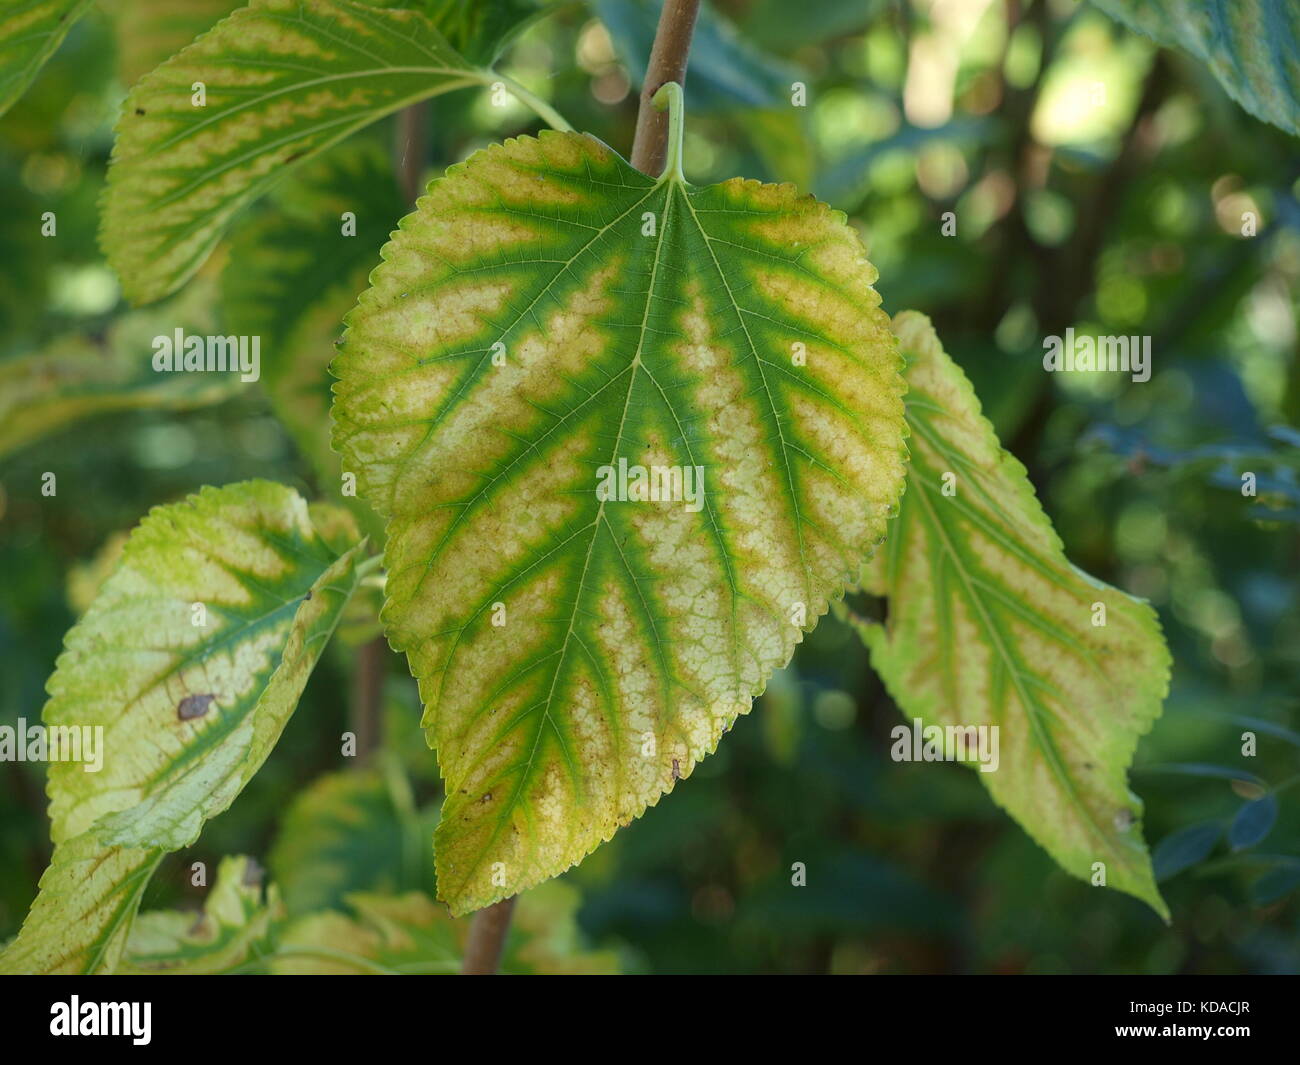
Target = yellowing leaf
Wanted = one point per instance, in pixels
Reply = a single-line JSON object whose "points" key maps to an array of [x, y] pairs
{"points": [[215, 126], [171, 691], [1252, 46], [233, 929], [989, 625], [30, 31], [548, 318]]}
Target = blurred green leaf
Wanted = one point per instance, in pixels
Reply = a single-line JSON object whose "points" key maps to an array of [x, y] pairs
{"points": [[1185, 848], [1253, 823], [350, 832], [74, 379], [1252, 46], [30, 31], [297, 269], [234, 927], [149, 32]]}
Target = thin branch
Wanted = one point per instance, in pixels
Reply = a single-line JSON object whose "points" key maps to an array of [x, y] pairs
{"points": [[487, 938], [411, 149], [667, 63]]}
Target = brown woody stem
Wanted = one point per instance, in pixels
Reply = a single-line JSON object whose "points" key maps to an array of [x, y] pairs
{"points": [[487, 938], [667, 63]]}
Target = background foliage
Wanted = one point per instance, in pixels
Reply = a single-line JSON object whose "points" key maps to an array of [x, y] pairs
{"points": [[1118, 212]]}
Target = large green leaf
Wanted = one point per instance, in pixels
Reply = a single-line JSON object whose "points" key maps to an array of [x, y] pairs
{"points": [[30, 31], [295, 272], [74, 379], [989, 625], [1252, 46], [523, 332], [284, 79], [234, 929], [188, 712]]}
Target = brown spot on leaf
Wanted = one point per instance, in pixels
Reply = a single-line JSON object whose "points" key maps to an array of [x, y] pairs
{"points": [[677, 771], [193, 706]]}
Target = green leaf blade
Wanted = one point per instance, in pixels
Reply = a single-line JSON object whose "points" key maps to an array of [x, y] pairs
{"points": [[635, 631], [283, 80], [989, 625]]}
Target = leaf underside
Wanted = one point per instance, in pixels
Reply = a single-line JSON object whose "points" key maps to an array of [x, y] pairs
{"points": [[189, 712], [989, 624], [525, 330], [1251, 46], [284, 79]]}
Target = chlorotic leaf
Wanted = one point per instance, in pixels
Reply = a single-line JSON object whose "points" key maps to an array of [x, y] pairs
{"points": [[548, 333], [293, 274], [73, 379], [30, 31], [218, 124], [149, 32], [234, 928], [410, 934], [82, 915], [1251, 46], [170, 693], [989, 625]]}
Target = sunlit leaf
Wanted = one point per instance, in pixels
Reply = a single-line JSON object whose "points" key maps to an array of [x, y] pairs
{"points": [[281, 80], [233, 929], [182, 675], [1252, 46], [989, 625], [30, 31], [526, 334]]}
